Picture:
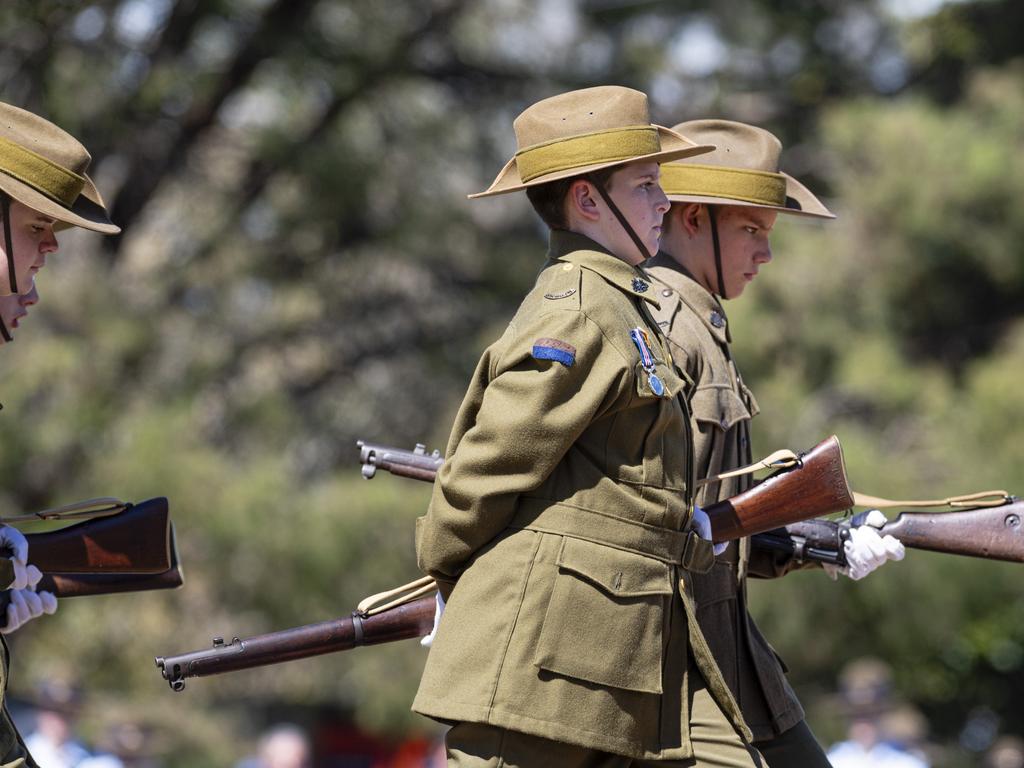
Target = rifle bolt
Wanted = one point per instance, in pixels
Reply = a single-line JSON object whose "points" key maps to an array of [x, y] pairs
{"points": [[218, 642]]}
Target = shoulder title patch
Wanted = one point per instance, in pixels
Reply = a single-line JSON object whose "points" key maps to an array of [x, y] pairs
{"points": [[561, 294], [554, 349]]}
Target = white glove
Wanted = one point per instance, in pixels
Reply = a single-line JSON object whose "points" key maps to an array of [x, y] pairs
{"points": [[702, 523], [27, 604], [865, 549], [427, 641], [14, 542]]}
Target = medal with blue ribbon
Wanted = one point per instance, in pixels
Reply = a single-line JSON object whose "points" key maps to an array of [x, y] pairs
{"points": [[639, 337]]}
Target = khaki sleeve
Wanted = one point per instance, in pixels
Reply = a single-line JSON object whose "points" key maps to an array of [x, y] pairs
{"points": [[528, 415], [770, 564]]}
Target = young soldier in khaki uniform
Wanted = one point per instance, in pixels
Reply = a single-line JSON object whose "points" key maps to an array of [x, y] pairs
{"points": [[724, 206], [560, 525], [43, 187]]}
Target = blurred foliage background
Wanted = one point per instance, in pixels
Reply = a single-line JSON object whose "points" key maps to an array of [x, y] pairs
{"points": [[300, 268]]}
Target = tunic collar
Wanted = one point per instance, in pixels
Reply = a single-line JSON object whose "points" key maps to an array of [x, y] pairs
{"points": [[574, 248], [675, 279]]}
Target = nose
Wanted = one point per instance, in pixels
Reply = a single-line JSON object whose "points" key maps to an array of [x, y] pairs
{"points": [[661, 202], [48, 244], [764, 255]]}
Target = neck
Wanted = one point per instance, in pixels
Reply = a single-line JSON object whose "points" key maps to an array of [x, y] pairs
{"points": [[689, 255]]}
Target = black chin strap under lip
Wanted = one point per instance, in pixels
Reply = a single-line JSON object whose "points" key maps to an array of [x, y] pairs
{"points": [[4, 332], [5, 210], [718, 251], [644, 253]]}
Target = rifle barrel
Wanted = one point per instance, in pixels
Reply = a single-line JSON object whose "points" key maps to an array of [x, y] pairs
{"points": [[413, 619]]}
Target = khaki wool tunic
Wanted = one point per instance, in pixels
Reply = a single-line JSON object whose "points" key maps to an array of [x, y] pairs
{"points": [[13, 753], [559, 522], [722, 408]]}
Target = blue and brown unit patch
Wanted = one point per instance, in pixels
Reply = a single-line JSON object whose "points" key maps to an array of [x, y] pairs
{"points": [[554, 349]]}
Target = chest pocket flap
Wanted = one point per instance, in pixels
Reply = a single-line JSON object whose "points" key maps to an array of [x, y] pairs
{"points": [[670, 377], [719, 405], [605, 620]]}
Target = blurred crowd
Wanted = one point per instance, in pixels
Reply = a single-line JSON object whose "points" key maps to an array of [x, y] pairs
{"points": [[882, 731]]}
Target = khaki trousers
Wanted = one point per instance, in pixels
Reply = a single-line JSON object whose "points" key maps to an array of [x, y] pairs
{"points": [[716, 744]]}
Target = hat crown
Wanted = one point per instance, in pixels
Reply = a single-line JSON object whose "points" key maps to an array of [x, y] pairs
{"points": [[43, 138], [737, 145], [577, 113]]}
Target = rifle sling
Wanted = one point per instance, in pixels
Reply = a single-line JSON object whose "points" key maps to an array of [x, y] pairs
{"points": [[392, 598], [979, 499]]}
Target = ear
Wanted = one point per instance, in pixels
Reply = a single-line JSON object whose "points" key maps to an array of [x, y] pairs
{"points": [[581, 200], [691, 217]]}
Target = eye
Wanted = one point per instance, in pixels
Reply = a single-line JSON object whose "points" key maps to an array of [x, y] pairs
{"points": [[751, 230]]}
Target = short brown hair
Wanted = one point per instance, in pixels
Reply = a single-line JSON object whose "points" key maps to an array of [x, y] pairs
{"points": [[548, 200]]}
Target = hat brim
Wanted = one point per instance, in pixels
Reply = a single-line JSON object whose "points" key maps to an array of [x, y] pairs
{"points": [[82, 213], [799, 201], [674, 146]]}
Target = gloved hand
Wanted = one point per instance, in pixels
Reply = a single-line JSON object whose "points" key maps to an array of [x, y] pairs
{"points": [[865, 549], [24, 603], [13, 541], [702, 523], [427, 641]]}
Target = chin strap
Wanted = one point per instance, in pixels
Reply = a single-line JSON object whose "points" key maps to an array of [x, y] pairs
{"points": [[5, 212], [4, 332], [644, 253], [718, 250]]}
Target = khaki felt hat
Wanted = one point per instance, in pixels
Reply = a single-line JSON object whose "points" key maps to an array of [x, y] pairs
{"points": [[44, 167], [586, 130], [742, 170]]}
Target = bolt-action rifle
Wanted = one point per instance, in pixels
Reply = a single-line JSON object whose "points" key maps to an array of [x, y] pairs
{"points": [[813, 485], [121, 547], [990, 532]]}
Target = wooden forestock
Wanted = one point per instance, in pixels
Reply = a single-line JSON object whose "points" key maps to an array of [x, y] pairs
{"points": [[816, 487], [994, 533], [136, 541], [413, 619]]}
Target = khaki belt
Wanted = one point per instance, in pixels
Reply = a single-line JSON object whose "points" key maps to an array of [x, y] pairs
{"points": [[683, 548]]}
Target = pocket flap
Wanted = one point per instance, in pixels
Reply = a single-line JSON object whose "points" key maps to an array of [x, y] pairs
{"points": [[672, 383], [613, 570], [719, 405]]}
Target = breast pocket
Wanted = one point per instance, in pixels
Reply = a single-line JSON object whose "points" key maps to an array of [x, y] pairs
{"points": [[656, 416], [720, 406], [605, 620]]}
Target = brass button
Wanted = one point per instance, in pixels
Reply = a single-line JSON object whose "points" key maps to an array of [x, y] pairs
{"points": [[666, 292]]}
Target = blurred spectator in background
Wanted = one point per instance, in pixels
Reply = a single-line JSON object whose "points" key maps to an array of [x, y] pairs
{"points": [[53, 743], [1007, 752], [882, 733], [283, 746], [124, 745]]}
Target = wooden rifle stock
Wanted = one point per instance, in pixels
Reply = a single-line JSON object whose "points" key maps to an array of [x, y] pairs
{"points": [[88, 584], [412, 619], [136, 541], [816, 486]]}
